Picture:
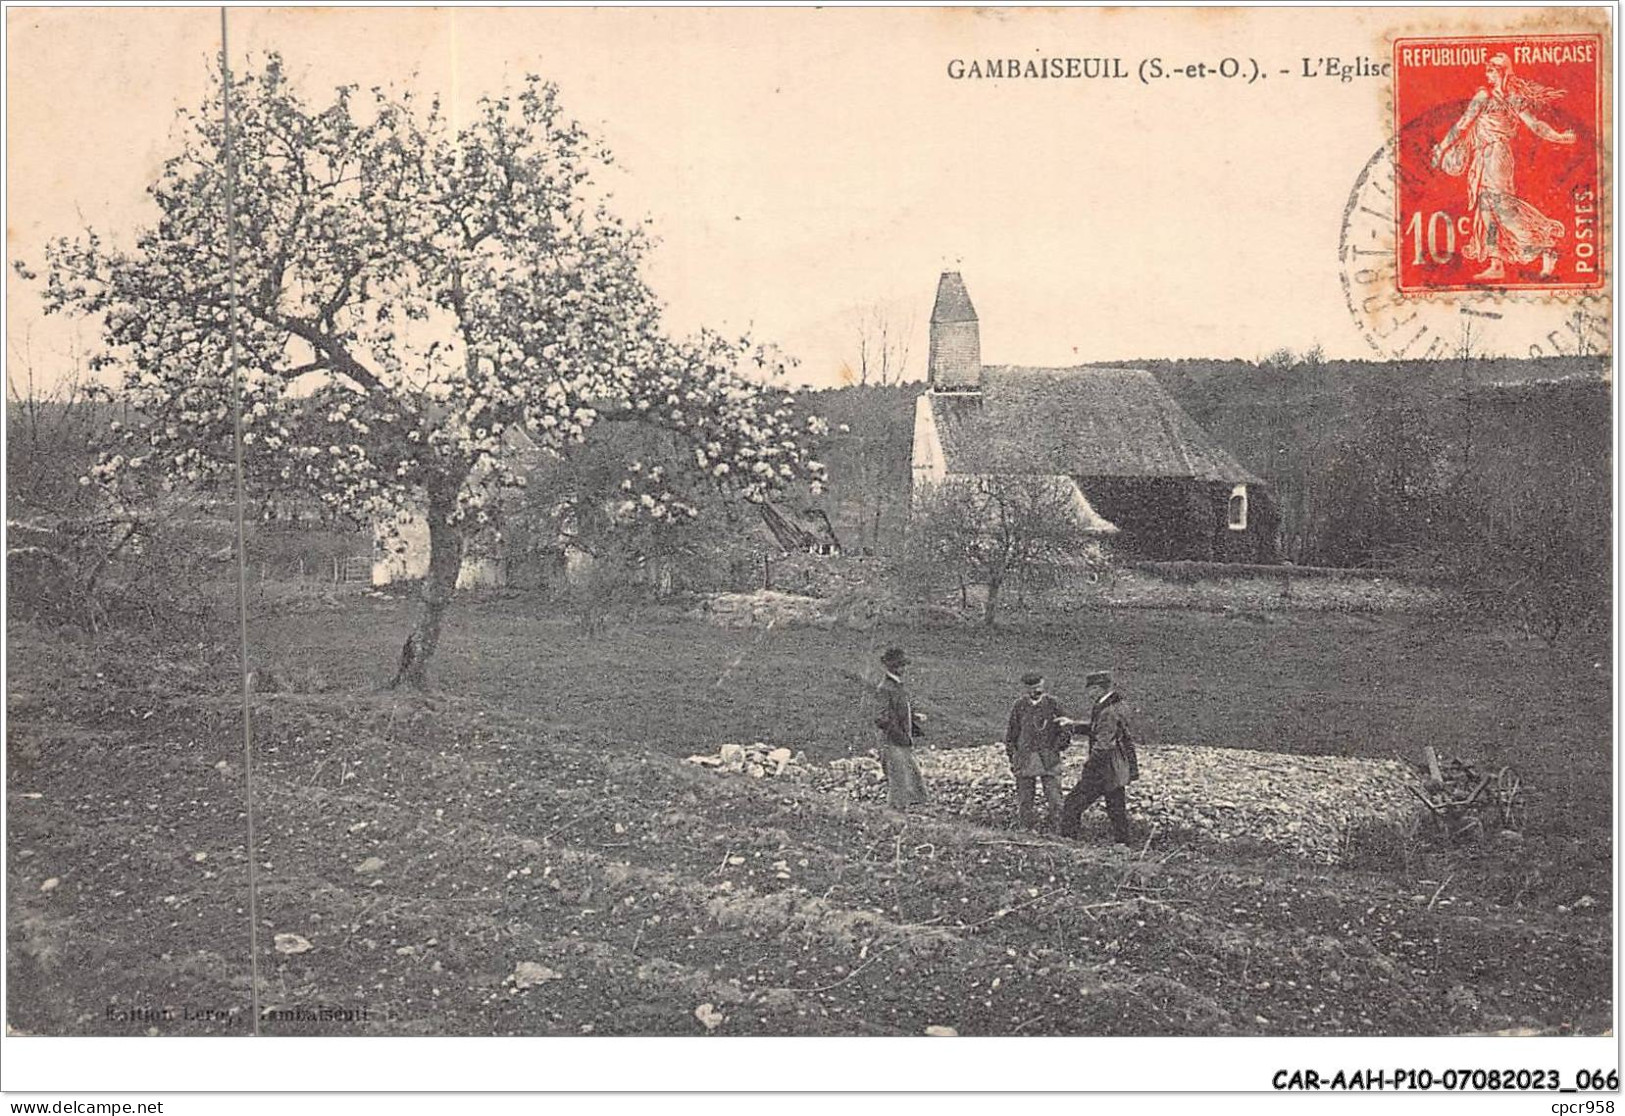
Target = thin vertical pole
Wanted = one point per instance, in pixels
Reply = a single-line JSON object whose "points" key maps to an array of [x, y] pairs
{"points": [[242, 533]]}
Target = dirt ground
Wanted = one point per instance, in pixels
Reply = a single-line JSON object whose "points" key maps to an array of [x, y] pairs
{"points": [[527, 853]]}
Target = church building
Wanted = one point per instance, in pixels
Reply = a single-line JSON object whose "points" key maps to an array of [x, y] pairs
{"points": [[1145, 475]]}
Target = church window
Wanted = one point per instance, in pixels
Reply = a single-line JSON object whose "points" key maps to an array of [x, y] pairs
{"points": [[1238, 508]]}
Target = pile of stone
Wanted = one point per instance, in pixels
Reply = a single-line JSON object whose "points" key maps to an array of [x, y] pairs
{"points": [[1303, 805], [758, 761]]}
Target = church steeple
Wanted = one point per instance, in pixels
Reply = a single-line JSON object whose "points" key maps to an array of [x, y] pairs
{"points": [[955, 362]]}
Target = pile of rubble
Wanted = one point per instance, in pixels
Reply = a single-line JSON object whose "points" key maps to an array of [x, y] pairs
{"points": [[758, 761], [1304, 805]]}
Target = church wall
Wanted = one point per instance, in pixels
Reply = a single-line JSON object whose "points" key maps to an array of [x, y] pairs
{"points": [[927, 464], [1181, 519]]}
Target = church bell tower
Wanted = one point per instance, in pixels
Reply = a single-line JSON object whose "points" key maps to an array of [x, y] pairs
{"points": [[956, 341]]}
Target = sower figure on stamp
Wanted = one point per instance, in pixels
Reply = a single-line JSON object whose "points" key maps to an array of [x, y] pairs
{"points": [[1033, 742], [1506, 228], [898, 725], [1111, 766]]}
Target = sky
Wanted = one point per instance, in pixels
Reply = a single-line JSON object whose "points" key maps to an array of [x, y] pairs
{"points": [[802, 167]]}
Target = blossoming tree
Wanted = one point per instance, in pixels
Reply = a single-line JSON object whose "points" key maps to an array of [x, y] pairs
{"points": [[402, 296]]}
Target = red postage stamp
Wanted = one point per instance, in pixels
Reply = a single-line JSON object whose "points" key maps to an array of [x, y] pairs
{"points": [[1498, 163]]}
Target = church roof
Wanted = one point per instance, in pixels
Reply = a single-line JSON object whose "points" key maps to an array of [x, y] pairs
{"points": [[1083, 422], [953, 300]]}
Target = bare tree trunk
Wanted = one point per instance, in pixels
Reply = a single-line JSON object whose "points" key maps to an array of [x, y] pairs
{"points": [[439, 586], [991, 608]]}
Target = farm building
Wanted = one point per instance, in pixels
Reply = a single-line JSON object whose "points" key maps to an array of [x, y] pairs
{"points": [[537, 545], [401, 542], [1143, 472]]}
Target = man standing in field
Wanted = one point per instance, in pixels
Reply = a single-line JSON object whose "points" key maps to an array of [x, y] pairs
{"points": [[898, 725], [1033, 742], [1111, 766]]}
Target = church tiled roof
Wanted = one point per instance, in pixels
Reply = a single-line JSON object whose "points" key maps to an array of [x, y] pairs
{"points": [[953, 300], [1083, 422]]}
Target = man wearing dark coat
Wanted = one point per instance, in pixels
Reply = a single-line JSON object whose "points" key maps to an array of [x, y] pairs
{"points": [[898, 725], [1111, 766], [1033, 742]]}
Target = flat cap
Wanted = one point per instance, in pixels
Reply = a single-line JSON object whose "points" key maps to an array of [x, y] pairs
{"points": [[1098, 678], [1031, 678]]}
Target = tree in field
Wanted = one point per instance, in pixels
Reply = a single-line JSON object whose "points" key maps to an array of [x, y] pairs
{"points": [[882, 358], [1388, 491], [995, 530], [406, 293]]}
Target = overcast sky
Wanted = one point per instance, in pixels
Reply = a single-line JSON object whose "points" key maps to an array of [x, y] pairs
{"points": [[801, 165]]}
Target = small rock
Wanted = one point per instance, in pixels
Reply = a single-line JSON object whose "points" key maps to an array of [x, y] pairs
{"points": [[291, 943], [1584, 901], [50, 884], [200, 857], [778, 998], [708, 1015], [936, 1031], [371, 864], [357, 827], [528, 973]]}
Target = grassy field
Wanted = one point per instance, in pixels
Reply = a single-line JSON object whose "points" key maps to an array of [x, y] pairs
{"points": [[1322, 683], [535, 810]]}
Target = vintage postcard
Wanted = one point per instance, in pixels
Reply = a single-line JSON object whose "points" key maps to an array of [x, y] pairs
{"points": [[1009, 525]]}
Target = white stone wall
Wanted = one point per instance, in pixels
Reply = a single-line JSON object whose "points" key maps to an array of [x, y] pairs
{"points": [[927, 465], [402, 554]]}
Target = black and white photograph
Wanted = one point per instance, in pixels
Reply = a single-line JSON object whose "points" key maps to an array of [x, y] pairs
{"points": [[603, 526]]}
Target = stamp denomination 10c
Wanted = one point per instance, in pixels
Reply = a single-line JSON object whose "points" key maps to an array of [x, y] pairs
{"points": [[1498, 163]]}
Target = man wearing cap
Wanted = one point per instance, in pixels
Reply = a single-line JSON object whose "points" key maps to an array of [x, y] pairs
{"points": [[1033, 742], [898, 725], [1111, 766]]}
